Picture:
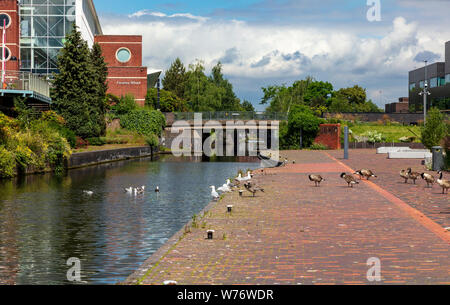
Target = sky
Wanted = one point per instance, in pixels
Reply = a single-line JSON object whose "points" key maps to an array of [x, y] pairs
{"points": [[275, 42]]}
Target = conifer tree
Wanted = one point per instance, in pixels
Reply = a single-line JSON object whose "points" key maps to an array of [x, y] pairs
{"points": [[175, 78], [100, 76], [75, 88]]}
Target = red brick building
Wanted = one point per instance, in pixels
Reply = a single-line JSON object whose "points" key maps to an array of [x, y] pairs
{"points": [[126, 75], [329, 135], [9, 13]]}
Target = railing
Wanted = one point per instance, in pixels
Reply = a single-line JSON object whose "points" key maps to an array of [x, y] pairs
{"points": [[26, 81], [231, 115]]}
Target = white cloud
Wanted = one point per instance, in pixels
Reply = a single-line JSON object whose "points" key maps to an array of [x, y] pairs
{"points": [[282, 53]]}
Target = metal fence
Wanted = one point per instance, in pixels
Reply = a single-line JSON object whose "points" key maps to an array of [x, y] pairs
{"points": [[26, 81], [232, 115]]}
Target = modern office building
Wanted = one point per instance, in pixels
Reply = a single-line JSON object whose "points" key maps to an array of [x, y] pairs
{"points": [[437, 76], [35, 33]]}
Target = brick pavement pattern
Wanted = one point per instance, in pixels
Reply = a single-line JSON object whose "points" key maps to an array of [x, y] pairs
{"points": [[296, 233]]}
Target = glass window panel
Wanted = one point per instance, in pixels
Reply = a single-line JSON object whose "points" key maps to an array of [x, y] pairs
{"points": [[39, 2], [56, 10], [447, 79], [57, 2], [56, 26], [412, 86], [68, 26], [39, 26], [25, 56], [25, 42], [53, 58], [25, 2], [40, 58], [421, 84], [40, 10], [25, 26], [433, 82], [56, 42], [25, 10], [441, 81], [40, 42]]}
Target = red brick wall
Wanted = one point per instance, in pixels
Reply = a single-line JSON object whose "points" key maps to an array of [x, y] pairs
{"points": [[330, 135], [12, 33], [125, 78]]}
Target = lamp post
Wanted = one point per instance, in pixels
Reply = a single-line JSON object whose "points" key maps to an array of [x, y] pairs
{"points": [[425, 93]]}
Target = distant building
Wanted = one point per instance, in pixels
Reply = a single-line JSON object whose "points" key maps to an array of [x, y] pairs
{"points": [[35, 33], [438, 80], [402, 106]]}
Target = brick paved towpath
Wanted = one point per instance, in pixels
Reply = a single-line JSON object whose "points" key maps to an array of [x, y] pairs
{"points": [[296, 233]]}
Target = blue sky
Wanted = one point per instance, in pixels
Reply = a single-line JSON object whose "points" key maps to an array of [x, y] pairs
{"points": [[267, 42]]}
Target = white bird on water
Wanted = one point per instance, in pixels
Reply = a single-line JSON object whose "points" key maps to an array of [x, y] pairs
{"points": [[129, 190], [89, 193], [157, 189], [214, 194]]}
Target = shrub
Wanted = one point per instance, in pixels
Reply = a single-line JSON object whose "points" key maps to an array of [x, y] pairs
{"points": [[144, 121], [126, 104], [434, 130], [302, 117], [80, 143], [318, 146], [374, 137], [152, 140], [7, 163], [24, 157], [96, 141]]}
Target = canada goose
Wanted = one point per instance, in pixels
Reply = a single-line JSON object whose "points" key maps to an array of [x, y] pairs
{"points": [[140, 190], [444, 183], [413, 175], [429, 179], [214, 194], [316, 178], [404, 175], [365, 173], [252, 188], [157, 189], [349, 179]]}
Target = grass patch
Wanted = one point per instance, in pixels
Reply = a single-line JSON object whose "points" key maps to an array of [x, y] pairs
{"points": [[391, 133]]}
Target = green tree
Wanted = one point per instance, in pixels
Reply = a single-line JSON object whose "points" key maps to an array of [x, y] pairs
{"points": [[354, 95], [301, 117], [175, 78], [100, 76], [168, 101], [247, 106], [228, 99], [434, 129], [75, 91]]}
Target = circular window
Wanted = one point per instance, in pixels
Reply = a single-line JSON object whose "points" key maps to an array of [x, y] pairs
{"points": [[4, 18], [7, 54], [123, 55]]}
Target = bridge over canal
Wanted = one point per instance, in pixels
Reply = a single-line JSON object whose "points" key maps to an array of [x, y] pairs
{"points": [[229, 133]]}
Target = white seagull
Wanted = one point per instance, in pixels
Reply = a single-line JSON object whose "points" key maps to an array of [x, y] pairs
{"points": [[89, 193], [214, 194], [224, 188]]}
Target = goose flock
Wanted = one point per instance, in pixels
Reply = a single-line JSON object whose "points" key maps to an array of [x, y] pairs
{"points": [[228, 186], [407, 174]]}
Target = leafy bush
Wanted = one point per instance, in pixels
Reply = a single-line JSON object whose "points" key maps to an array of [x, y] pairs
{"points": [[318, 146], [7, 163], [144, 121], [374, 137], [96, 141], [302, 118], [125, 105], [152, 140], [80, 143], [434, 130]]}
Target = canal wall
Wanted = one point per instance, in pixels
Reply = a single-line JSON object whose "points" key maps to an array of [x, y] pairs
{"points": [[112, 155]]}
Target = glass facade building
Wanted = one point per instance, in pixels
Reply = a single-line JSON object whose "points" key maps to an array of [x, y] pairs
{"points": [[43, 27]]}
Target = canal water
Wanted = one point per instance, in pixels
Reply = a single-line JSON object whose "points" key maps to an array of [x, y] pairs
{"points": [[45, 220]]}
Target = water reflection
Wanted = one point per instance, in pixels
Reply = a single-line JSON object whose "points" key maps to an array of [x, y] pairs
{"points": [[44, 220]]}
